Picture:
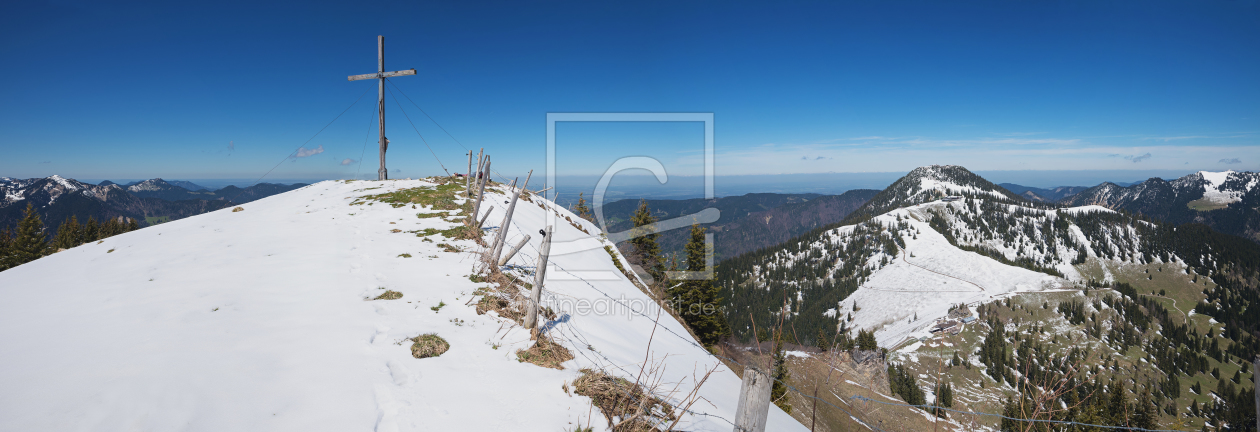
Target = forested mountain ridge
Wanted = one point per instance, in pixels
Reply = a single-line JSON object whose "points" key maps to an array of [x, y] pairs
{"points": [[748, 222], [946, 241], [825, 266], [771, 227], [1045, 195], [56, 199], [1225, 201]]}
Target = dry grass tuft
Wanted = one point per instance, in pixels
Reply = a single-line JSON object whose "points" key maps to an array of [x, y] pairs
{"points": [[545, 353], [428, 345], [503, 298], [238, 209], [494, 302], [389, 295], [618, 398]]}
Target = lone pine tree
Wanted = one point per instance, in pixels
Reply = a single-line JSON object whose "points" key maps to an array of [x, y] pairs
{"points": [[583, 211], [30, 243], [697, 300], [780, 374], [645, 243], [6, 239]]}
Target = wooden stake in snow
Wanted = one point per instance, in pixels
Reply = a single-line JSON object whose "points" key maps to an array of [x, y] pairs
{"points": [[480, 162], [754, 401], [540, 274], [380, 75], [481, 189], [482, 222], [503, 261], [497, 248], [468, 177]]}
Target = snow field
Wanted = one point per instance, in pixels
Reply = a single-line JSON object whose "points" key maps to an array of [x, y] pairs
{"points": [[258, 320], [937, 277]]}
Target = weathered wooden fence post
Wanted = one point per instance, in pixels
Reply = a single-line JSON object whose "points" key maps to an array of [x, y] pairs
{"points": [[503, 261], [479, 163], [754, 401], [467, 177], [497, 248], [482, 222], [481, 189], [496, 238], [540, 274]]}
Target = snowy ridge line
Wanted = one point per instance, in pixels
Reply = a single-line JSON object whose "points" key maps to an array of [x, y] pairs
{"points": [[866, 399], [688, 340], [577, 334]]}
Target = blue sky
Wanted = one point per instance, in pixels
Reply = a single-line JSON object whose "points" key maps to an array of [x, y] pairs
{"points": [[139, 90]]}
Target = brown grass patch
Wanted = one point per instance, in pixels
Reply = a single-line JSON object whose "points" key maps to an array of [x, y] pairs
{"points": [[620, 398], [238, 209], [428, 345], [389, 295], [545, 353]]}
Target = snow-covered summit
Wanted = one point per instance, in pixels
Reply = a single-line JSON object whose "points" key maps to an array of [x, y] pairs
{"points": [[151, 185], [262, 319], [1227, 187], [924, 252], [930, 183]]}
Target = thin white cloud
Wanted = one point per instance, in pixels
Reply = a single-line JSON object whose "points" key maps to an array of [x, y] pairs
{"points": [[305, 152], [1230, 161], [348, 161]]}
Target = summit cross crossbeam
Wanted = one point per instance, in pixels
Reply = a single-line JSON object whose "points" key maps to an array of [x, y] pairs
{"points": [[380, 75]]}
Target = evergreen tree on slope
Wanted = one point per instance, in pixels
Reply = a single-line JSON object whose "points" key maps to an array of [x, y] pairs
{"points": [[30, 243], [646, 245], [67, 235], [780, 375], [698, 300], [6, 239]]}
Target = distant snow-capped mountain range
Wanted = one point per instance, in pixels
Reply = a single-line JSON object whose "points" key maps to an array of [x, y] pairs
{"points": [[58, 198], [1226, 201]]}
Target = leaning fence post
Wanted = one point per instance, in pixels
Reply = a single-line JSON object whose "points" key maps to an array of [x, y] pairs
{"points": [[503, 261], [497, 247], [754, 401], [492, 253], [481, 189], [482, 222], [540, 273]]}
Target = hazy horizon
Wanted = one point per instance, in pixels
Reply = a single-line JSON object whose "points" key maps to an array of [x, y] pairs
{"points": [[634, 185]]}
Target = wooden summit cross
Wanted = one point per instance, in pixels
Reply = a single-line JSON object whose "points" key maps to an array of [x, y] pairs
{"points": [[380, 75]]}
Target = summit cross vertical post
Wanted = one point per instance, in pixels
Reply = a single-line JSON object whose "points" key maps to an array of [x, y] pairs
{"points": [[380, 75]]}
